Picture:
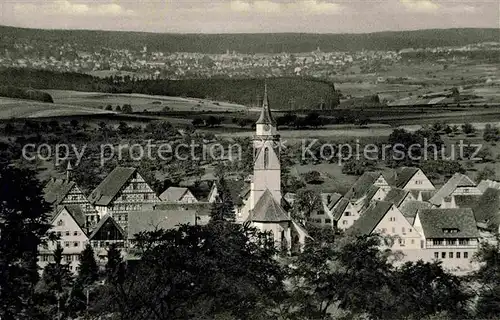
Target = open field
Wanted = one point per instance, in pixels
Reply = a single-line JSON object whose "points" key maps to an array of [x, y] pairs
{"points": [[140, 102], [17, 108]]}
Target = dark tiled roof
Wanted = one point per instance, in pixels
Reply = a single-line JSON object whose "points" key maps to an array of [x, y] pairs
{"points": [[403, 176], [107, 190], [267, 209], [329, 200], [362, 185], [139, 221], [487, 207], [466, 201], [409, 209], [396, 196], [371, 218], [457, 180], [340, 208], [56, 190], [435, 222]]}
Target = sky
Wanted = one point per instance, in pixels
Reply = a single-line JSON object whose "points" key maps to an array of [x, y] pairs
{"points": [[249, 16]]}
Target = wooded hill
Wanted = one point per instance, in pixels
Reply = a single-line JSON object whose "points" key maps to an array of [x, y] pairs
{"points": [[250, 43]]}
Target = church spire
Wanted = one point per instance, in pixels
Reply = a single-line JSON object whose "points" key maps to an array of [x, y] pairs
{"points": [[265, 114]]}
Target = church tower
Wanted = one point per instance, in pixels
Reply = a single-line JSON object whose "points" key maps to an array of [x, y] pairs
{"points": [[267, 167]]}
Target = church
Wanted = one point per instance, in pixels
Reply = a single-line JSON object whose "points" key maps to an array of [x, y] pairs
{"points": [[264, 206]]}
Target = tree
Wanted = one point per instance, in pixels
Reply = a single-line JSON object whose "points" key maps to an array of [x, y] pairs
{"points": [[55, 284], [306, 202], [88, 270], [74, 124], [23, 227], [240, 279], [109, 107], [223, 207], [312, 177], [118, 109], [487, 173], [127, 108], [488, 276], [468, 128], [115, 267], [491, 133], [424, 289]]}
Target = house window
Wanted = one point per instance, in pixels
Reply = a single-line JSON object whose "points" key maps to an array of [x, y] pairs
{"points": [[75, 233], [412, 241], [60, 223], [403, 230], [266, 158], [384, 230], [451, 242], [392, 219], [74, 197], [466, 190], [344, 222], [466, 255], [450, 255], [347, 213], [418, 182], [76, 243], [409, 230], [458, 255], [146, 196], [67, 233], [124, 197], [66, 243], [437, 242], [436, 255], [463, 242], [443, 255], [67, 258], [58, 233], [402, 242]]}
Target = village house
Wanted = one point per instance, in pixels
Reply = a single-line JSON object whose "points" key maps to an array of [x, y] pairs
{"points": [[178, 194], [69, 225], [448, 235], [384, 218], [409, 178], [61, 192], [122, 191], [458, 184], [369, 187], [106, 233], [399, 197]]}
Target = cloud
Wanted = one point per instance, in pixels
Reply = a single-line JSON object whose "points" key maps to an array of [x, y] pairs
{"points": [[427, 6], [298, 7], [68, 8]]}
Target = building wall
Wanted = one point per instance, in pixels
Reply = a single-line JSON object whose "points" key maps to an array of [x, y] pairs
{"points": [[188, 198], [72, 240], [419, 182], [276, 229], [396, 225], [349, 216], [466, 191], [449, 263]]}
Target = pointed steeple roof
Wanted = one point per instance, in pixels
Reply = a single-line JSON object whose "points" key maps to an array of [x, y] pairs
{"points": [[268, 209], [265, 115]]}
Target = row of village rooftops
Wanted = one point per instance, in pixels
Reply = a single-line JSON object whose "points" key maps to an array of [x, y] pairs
{"points": [[421, 221]]}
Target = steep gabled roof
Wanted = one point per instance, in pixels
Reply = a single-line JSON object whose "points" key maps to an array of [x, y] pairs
{"points": [[56, 190], [487, 207], [437, 223], [107, 190], [329, 200], [409, 209], [139, 221], [173, 194], [201, 208], [362, 185], [339, 209], [75, 211], [267, 209], [404, 175], [371, 218], [457, 180], [396, 196], [102, 222]]}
